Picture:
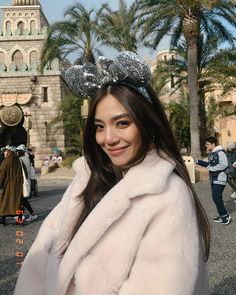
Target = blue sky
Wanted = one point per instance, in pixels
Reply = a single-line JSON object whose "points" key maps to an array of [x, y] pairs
{"points": [[54, 9]]}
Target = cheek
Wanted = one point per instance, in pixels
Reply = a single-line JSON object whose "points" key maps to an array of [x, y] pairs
{"points": [[137, 140], [98, 138]]}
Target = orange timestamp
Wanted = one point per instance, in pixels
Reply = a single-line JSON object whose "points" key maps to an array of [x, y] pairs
{"points": [[19, 240]]}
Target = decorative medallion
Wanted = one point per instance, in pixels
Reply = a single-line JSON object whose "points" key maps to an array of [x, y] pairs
{"points": [[11, 116]]}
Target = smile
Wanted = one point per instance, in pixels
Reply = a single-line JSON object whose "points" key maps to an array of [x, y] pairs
{"points": [[117, 151]]}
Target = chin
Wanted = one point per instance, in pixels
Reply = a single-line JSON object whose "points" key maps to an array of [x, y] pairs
{"points": [[119, 164]]}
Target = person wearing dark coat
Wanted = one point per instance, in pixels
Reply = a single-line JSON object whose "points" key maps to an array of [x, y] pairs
{"points": [[11, 183], [231, 155]]}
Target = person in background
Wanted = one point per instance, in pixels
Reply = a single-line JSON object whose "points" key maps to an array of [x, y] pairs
{"points": [[26, 171], [11, 182], [31, 156], [33, 180], [217, 165], [231, 154], [130, 222]]}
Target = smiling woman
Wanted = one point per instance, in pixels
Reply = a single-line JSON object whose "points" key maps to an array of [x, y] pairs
{"points": [[130, 222], [116, 132]]}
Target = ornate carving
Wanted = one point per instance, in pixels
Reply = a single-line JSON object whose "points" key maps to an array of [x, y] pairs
{"points": [[17, 32], [11, 116], [23, 67], [2, 67], [25, 2], [9, 99], [34, 66], [26, 32], [12, 67]]}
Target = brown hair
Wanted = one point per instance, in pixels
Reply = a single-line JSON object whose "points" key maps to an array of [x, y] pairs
{"points": [[154, 128]]}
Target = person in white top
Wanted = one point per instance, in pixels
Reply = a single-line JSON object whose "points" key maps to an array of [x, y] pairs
{"points": [[26, 170]]}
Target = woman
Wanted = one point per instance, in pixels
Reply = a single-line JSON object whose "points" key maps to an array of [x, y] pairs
{"points": [[130, 222], [11, 182]]}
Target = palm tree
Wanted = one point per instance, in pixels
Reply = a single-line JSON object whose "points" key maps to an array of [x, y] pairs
{"points": [[76, 33], [118, 28], [70, 115], [216, 71], [188, 19]]}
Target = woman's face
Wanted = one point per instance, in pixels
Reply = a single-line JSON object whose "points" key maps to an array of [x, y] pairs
{"points": [[6, 152], [116, 133]]}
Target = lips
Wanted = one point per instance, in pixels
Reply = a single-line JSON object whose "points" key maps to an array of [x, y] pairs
{"points": [[116, 151]]}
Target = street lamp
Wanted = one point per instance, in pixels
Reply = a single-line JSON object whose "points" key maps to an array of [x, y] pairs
{"points": [[84, 115], [28, 126], [84, 109]]}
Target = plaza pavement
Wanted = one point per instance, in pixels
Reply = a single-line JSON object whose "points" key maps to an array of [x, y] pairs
{"points": [[221, 264]]}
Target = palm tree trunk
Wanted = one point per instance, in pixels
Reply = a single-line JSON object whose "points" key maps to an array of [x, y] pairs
{"points": [[193, 95], [202, 121]]}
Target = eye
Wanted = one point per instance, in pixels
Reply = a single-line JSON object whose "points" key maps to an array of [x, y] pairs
{"points": [[98, 127], [123, 124]]}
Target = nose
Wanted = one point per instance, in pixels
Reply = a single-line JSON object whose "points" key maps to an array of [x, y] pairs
{"points": [[111, 136]]}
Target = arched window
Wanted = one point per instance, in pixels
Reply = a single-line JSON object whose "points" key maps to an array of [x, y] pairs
{"points": [[17, 58], [33, 57], [21, 27], [32, 26], [8, 26], [2, 58]]}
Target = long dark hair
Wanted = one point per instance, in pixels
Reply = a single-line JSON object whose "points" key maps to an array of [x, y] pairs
{"points": [[155, 130]]}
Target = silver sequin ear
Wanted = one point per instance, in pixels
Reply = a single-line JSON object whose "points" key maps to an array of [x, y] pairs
{"points": [[126, 68]]}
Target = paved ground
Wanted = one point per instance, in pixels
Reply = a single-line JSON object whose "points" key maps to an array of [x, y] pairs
{"points": [[221, 265]]}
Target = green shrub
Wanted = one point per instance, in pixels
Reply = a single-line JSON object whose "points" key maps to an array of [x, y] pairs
{"points": [[68, 161]]}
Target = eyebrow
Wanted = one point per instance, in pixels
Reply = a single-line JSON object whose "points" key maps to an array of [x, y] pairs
{"points": [[117, 117]]}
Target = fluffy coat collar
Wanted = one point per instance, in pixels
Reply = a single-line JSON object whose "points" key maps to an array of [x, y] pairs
{"points": [[147, 178]]}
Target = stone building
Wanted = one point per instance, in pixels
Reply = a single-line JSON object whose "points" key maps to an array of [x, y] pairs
{"points": [[27, 96], [224, 126]]}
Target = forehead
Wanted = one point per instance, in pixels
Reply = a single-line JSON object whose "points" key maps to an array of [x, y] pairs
{"points": [[109, 106]]}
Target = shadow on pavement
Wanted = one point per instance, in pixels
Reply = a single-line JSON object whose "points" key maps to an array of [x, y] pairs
{"points": [[9, 271], [231, 206], [226, 287], [45, 194]]}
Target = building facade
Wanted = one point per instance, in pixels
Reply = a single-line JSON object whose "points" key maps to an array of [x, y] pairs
{"points": [[224, 125], [29, 99]]}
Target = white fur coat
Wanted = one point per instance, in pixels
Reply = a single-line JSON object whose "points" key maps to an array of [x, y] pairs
{"points": [[141, 239]]}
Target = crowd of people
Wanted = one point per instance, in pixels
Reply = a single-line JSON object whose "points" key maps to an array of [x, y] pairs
{"points": [[17, 183], [52, 159]]}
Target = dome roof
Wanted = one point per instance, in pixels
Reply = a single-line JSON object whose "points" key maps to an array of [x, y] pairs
{"points": [[25, 2]]}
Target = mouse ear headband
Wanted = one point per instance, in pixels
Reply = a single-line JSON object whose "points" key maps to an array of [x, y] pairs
{"points": [[127, 68]]}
